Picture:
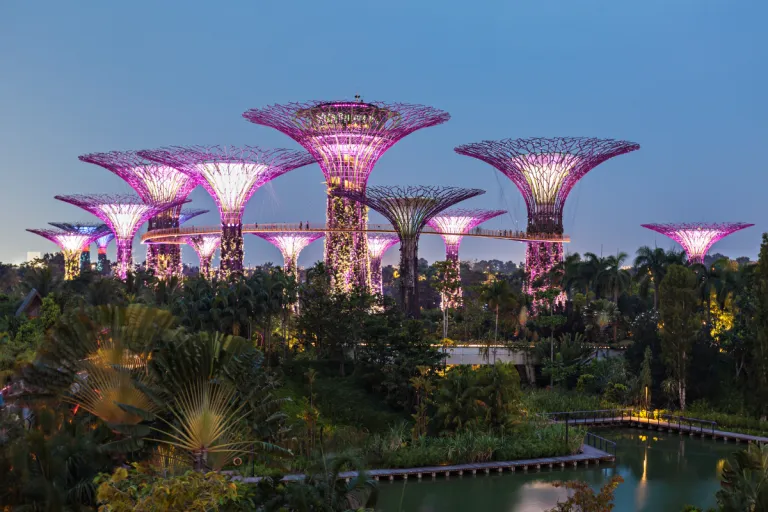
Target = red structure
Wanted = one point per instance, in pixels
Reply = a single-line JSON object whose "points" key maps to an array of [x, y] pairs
{"points": [[378, 244], [452, 226], [290, 244], [102, 264], [156, 184], [72, 244], [231, 175], [697, 237], [347, 138], [545, 170], [409, 208], [124, 214]]}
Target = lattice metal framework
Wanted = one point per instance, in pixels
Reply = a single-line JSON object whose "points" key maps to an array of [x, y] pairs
{"points": [[231, 175], [378, 244], [205, 246], [290, 244], [347, 138], [155, 183], [545, 170], [102, 264], [409, 208], [124, 214], [188, 214], [85, 228], [697, 237], [452, 225], [72, 244]]}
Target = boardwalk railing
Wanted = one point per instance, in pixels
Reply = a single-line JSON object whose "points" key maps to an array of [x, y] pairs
{"points": [[601, 443], [608, 416]]}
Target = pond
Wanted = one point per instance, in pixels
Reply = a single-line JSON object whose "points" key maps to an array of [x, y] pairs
{"points": [[661, 471]]}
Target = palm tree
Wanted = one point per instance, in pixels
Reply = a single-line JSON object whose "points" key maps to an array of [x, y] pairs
{"points": [[567, 273], [745, 481], [40, 278], [496, 294], [651, 265], [589, 272], [233, 305]]}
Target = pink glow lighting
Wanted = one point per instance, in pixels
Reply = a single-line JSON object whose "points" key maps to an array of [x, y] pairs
{"points": [[71, 243], [454, 224], [205, 246], [697, 238], [378, 244], [290, 244]]}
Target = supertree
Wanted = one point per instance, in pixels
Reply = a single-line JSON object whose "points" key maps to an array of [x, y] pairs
{"points": [[88, 228], [291, 243], [378, 244], [452, 226], [205, 246], [231, 175], [155, 183], [697, 237], [102, 264], [72, 244], [189, 214], [157, 259], [545, 170], [124, 214], [347, 138], [409, 208]]}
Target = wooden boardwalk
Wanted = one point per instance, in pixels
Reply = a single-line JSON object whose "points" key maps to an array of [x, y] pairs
{"points": [[588, 456], [670, 426]]}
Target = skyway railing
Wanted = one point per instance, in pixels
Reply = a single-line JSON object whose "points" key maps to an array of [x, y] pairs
{"points": [[174, 235]]}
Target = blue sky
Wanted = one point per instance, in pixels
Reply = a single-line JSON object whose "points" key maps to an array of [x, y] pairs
{"points": [[687, 79]]}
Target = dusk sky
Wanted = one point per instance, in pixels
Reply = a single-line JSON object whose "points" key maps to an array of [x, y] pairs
{"points": [[686, 79]]}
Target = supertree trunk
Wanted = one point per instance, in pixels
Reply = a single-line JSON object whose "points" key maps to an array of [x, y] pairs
{"points": [[124, 257], [231, 248], [377, 284], [540, 259], [291, 265], [346, 252], [452, 297], [165, 259], [71, 264], [85, 259], [205, 266], [409, 286], [102, 263]]}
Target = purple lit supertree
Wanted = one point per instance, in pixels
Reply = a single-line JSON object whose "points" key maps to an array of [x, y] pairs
{"points": [[231, 175], [124, 214], [88, 228], [102, 264], [378, 244], [347, 138], [156, 184], [205, 246], [72, 244], [452, 226], [290, 244], [409, 208], [697, 237], [545, 170]]}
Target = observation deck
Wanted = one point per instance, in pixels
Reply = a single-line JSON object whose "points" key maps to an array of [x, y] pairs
{"points": [[177, 235]]}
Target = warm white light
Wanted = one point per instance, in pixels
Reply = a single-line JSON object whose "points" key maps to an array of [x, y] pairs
{"points": [[546, 173], [232, 183], [73, 242], [124, 218], [291, 245], [697, 241], [161, 182], [204, 245], [452, 228], [378, 245]]}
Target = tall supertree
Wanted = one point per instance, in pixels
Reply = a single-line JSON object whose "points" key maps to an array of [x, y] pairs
{"points": [[157, 259], [697, 237], [102, 263], [155, 183], [291, 243], [205, 246], [452, 226], [545, 170], [231, 175], [409, 208], [378, 244], [72, 243], [124, 214], [347, 138], [87, 228]]}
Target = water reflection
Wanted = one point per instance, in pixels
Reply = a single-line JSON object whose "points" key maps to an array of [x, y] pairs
{"points": [[661, 472]]}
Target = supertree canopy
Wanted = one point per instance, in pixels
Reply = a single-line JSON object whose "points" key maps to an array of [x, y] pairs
{"points": [[378, 244], [205, 246], [72, 244], [87, 228], [124, 214], [347, 138], [155, 183], [452, 226], [189, 214], [231, 175], [291, 243], [409, 208], [102, 264], [545, 170], [697, 237]]}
